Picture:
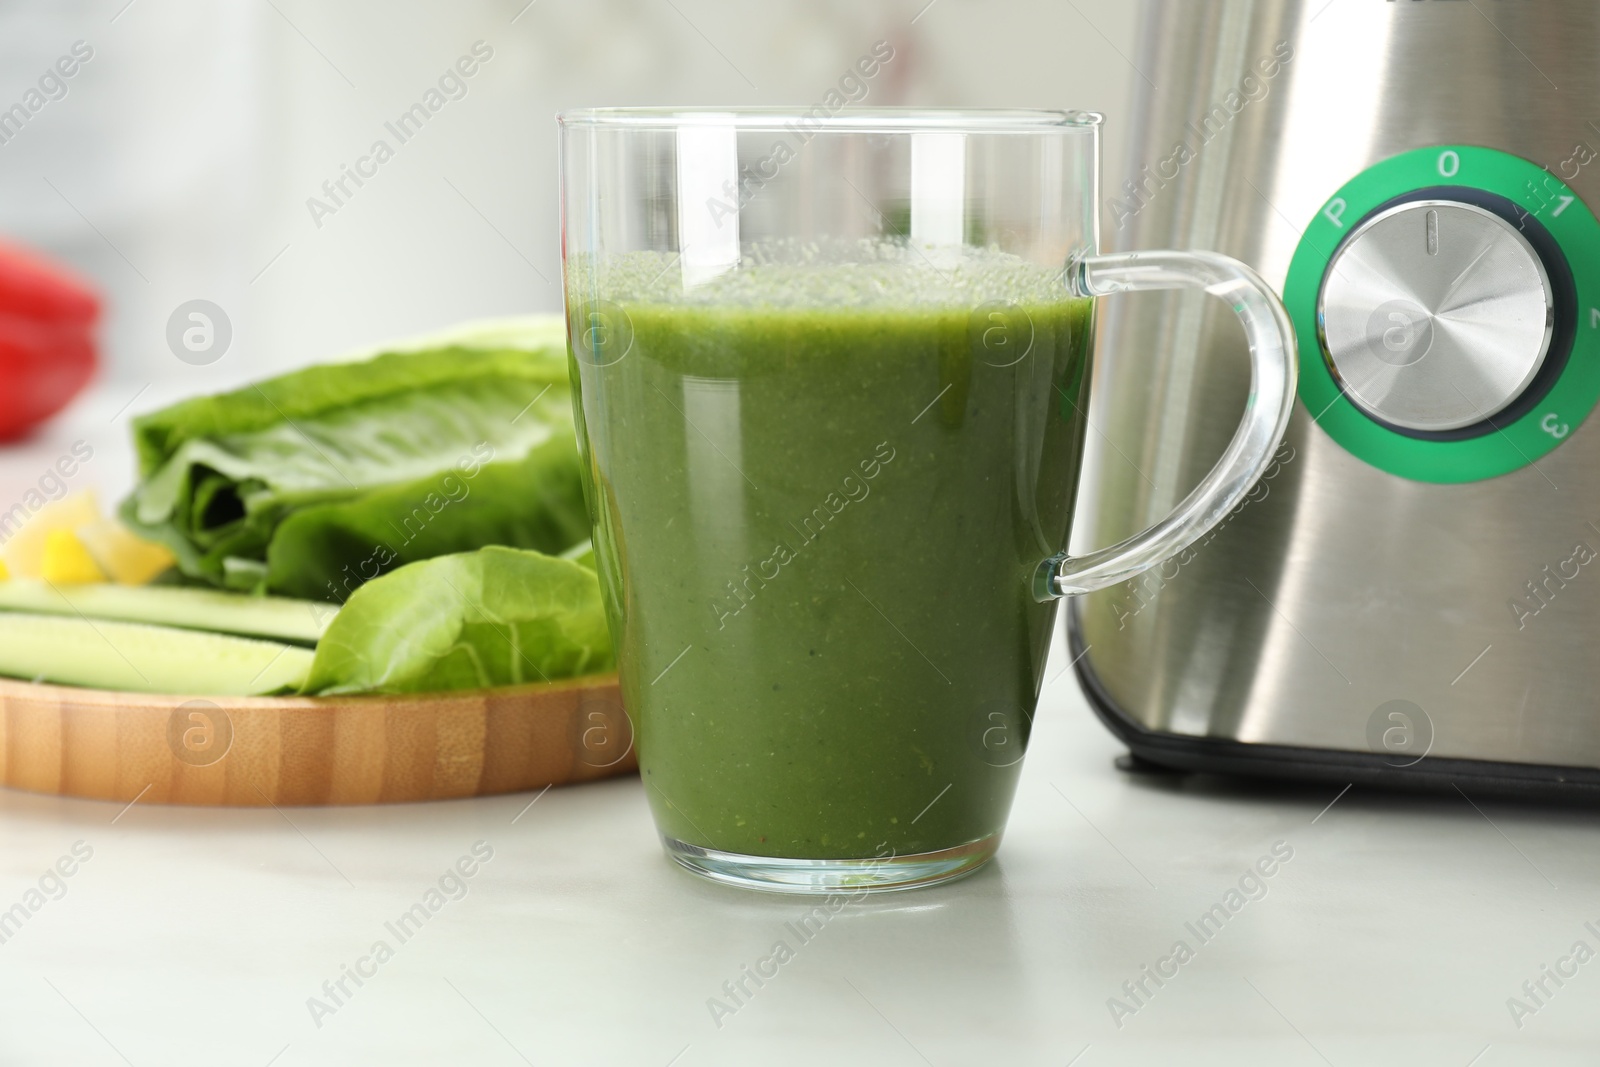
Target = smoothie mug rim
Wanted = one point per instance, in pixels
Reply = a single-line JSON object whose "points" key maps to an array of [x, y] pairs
{"points": [[873, 119]]}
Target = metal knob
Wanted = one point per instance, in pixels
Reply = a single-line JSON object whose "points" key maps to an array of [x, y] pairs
{"points": [[1436, 315]]}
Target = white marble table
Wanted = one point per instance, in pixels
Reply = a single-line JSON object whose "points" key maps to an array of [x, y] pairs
{"points": [[1395, 934]]}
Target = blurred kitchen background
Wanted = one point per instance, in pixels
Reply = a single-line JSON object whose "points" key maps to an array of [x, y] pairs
{"points": [[179, 163]]}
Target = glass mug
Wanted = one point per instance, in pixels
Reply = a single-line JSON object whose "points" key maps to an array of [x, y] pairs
{"points": [[830, 377]]}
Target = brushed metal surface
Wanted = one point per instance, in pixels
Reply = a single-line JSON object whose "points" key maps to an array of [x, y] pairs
{"points": [[1338, 587], [1436, 315]]}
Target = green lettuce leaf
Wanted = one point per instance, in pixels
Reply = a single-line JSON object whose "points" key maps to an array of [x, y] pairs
{"points": [[313, 482], [498, 616], [328, 550]]}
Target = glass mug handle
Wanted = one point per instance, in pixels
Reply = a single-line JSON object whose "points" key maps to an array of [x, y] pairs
{"points": [[1273, 372]]}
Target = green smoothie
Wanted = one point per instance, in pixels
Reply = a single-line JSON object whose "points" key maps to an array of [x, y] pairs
{"points": [[821, 493]]}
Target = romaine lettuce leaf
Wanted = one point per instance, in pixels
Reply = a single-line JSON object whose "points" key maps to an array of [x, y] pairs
{"points": [[327, 550], [498, 616], [313, 482]]}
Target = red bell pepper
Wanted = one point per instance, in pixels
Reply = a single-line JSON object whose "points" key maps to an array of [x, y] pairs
{"points": [[47, 348]]}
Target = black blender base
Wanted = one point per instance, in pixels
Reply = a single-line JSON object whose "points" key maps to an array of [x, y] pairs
{"points": [[1152, 751]]}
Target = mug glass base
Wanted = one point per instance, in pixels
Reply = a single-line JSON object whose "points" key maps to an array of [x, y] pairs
{"points": [[773, 874]]}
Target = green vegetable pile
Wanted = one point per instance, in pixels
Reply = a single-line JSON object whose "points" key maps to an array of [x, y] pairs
{"points": [[409, 522], [311, 483]]}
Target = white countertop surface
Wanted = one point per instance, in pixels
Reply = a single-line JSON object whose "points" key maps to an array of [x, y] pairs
{"points": [[1395, 934]]}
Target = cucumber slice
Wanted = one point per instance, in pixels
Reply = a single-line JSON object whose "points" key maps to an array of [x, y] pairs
{"points": [[301, 621], [146, 659]]}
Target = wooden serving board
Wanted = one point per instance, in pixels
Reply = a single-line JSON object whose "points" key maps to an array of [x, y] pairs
{"points": [[254, 751]]}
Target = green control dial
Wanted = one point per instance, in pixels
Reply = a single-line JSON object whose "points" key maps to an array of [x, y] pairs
{"points": [[1447, 306]]}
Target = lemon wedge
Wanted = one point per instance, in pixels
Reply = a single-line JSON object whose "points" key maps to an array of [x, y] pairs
{"points": [[23, 551], [67, 562], [126, 558]]}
